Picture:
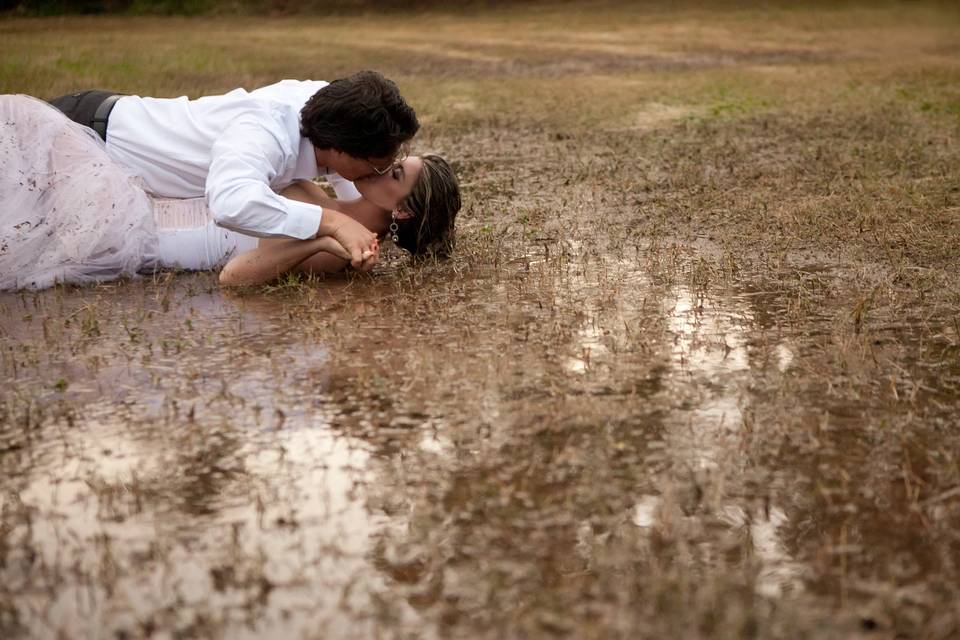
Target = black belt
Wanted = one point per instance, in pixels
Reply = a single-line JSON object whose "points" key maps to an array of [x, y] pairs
{"points": [[100, 116]]}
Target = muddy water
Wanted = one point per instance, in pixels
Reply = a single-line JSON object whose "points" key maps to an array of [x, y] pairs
{"points": [[539, 439]]}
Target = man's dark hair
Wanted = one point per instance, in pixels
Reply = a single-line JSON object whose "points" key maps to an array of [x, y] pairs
{"points": [[362, 115]]}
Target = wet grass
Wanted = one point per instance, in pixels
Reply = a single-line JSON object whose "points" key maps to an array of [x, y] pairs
{"points": [[693, 372]]}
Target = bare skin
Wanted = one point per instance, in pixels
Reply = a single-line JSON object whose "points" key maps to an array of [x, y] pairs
{"points": [[351, 236], [355, 224]]}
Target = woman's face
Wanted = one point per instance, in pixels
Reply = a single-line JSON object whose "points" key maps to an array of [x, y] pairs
{"points": [[390, 189]]}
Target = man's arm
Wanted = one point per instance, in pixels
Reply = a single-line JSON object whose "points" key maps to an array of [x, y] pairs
{"points": [[323, 261], [249, 154], [246, 157]]}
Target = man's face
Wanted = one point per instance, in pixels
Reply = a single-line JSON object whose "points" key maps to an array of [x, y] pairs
{"points": [[391, 189], [353, 168]]}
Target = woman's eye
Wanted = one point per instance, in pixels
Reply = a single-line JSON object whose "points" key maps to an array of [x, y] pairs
{"points": [[396, 173]]}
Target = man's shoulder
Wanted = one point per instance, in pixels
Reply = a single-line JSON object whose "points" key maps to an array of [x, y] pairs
{"points": [[293, 92]]}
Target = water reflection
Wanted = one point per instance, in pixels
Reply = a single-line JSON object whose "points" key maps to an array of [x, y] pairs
{"points": [[209, 490], [553, 446], [712, 359], [709, 348], [714, 351]]}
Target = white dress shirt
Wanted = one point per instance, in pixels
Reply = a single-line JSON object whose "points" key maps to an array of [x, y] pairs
{"points": [[237, 149]]}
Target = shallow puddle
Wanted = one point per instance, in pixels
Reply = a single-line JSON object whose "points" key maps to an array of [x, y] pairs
{"points": [[693, 373], [538, 444]]}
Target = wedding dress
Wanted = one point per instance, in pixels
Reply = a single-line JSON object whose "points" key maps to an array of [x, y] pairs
{"points": [[70, 214]]}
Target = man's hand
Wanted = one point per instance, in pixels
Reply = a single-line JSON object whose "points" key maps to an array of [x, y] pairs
{"points": [[353, 237]]}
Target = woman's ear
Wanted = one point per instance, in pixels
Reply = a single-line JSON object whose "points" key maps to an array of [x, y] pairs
{"points": [[401, 214]]}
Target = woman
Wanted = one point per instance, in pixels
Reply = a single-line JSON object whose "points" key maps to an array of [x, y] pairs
{"points": [[69, 214], [416, 202]]}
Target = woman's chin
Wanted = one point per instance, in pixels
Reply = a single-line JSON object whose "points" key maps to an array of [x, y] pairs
{"points": [[377, 202]]}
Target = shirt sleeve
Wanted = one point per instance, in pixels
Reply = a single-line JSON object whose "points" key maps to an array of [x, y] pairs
{"points": [[244, 160], [344, 189]]}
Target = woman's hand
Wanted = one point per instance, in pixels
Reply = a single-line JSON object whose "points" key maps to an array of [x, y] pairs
{"points": [[353, 238], [371, 256], [368, 258]]}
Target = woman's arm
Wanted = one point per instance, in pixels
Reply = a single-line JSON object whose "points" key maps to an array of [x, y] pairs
{"points": [[273, 257], [367, 214]]}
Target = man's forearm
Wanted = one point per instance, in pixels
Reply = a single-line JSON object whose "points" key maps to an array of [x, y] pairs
{"points": [[244, 159], [264, 214]]}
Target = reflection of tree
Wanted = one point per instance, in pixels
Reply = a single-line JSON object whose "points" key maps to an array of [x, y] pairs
{"points": [[141, 459], [204, 469], [849, 466], [587, 495], [490, 529]]}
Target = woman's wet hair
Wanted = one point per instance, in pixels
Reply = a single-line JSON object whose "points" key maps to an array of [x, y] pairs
{"points": [[362, 115], [433, 204]]}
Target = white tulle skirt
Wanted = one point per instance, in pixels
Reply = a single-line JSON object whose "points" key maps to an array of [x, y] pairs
{"points": [[69, 214]]}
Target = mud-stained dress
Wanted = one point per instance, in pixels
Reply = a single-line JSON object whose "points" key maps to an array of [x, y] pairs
{"points": [[70, 214]]}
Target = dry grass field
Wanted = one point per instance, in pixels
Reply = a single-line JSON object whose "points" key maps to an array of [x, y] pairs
{"points": [[694, 371]]}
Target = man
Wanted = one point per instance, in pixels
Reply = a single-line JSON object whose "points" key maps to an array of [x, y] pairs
{"points": [[241, 148]]}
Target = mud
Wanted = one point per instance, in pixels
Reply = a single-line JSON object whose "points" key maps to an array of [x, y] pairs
{"points": [[694, 372]]}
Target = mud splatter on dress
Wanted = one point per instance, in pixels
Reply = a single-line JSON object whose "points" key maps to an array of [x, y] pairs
{"points": [[70, 214]]}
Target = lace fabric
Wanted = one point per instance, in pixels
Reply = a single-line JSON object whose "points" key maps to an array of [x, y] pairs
{"points": [[188, 238], [69, 214]]}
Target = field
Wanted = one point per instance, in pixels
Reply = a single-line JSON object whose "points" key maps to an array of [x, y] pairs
{"points": [[693, 372]]}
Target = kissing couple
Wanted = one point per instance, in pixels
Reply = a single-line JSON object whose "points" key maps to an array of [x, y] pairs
{"points": [[98, 186]]}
